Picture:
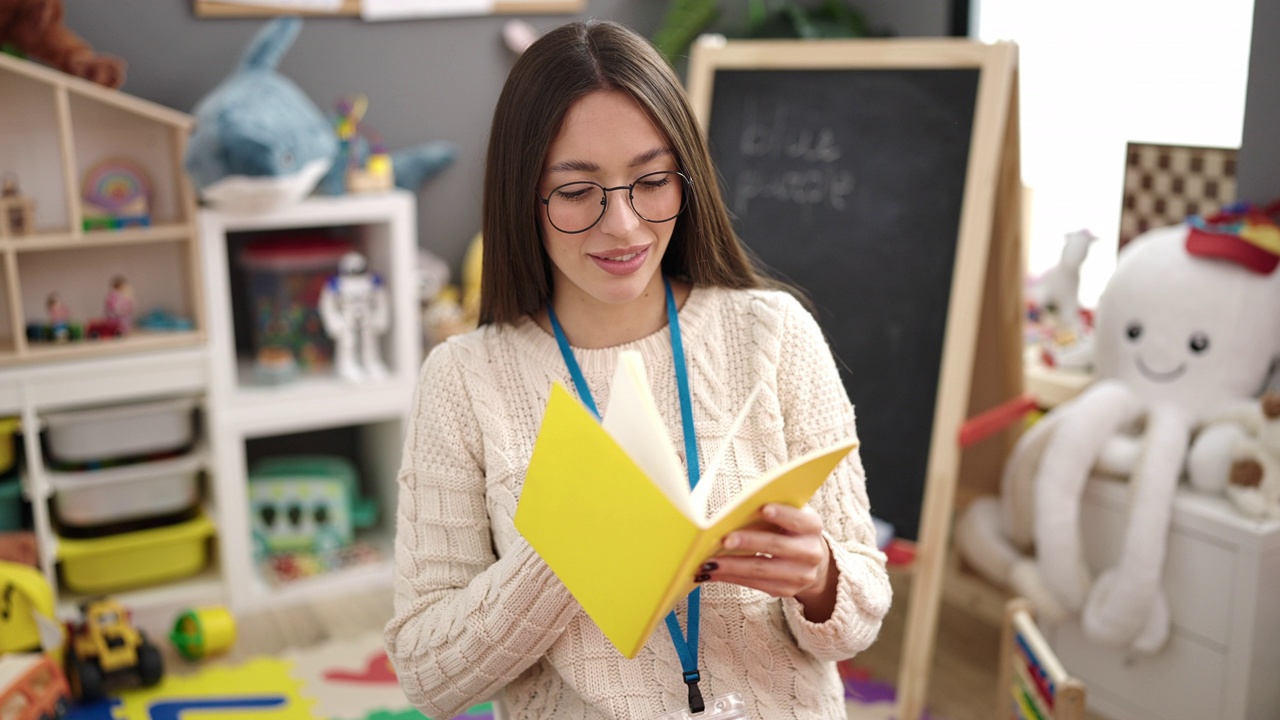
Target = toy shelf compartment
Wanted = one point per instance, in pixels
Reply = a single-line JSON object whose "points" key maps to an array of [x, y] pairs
{"points": [[372, 450], [241, 287], [159, 273], [101, 188]]}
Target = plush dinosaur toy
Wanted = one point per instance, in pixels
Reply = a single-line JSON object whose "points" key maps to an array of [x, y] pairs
{"points": [[34, 28], [261, 143]]}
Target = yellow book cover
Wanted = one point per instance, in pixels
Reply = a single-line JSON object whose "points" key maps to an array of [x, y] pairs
{"points": [[608, 506]]}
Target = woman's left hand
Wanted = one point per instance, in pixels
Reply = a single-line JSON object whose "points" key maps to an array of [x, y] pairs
{"points": [[784, 556]]}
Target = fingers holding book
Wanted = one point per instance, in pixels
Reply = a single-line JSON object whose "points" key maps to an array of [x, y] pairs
{"points": [[784, 555]]}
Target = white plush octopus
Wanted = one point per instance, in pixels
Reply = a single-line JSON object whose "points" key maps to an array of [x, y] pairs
{"points": [[1179, 338]]}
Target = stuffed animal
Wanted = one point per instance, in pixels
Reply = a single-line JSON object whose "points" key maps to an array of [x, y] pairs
{"points": [[1181, 335], [1065, 330], [1239, 455], [34, 28], [261, 143]]}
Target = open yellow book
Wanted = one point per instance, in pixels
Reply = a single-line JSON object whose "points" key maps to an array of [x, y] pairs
{"points": [[608, 506]]}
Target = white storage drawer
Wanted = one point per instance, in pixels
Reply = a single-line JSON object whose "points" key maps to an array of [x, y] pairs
{"points": [[1193, 562], [127, 492], [1221, 578], [1185, 681], [86, 436]]}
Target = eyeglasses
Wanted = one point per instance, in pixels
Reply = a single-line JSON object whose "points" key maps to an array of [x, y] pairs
{"points": [[655, 197]]}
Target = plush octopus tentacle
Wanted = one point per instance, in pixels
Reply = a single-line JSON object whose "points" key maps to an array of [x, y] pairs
{"points": [[1064, 470], [1127, 602], [996, 536]]}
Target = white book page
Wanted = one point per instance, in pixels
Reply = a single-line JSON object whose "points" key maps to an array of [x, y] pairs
{"points": [[700, 495], [634, 422]]}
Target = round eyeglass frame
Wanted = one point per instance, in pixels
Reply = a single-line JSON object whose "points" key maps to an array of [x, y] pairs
{"points": [[604, 204]]}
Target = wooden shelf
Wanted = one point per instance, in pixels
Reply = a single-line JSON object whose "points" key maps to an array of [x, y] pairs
{"points": [[139, 341], [1051, 387], [98, 238]]}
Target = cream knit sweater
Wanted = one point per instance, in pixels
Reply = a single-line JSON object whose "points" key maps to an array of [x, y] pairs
{"points": [[478, 613]]}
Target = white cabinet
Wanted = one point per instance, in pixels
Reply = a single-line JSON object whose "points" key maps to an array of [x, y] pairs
{"points": [[316, 412], [92, 192], [1222, 579], [176, 378]]}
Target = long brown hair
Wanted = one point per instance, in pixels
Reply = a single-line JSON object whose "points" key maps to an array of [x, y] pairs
{"points": [[558, 69]]}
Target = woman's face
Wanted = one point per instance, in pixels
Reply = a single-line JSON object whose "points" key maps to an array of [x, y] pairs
{"points": [[605, 138]]}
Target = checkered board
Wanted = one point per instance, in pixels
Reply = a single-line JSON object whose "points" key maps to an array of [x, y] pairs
{"points": [[1166, 184]]}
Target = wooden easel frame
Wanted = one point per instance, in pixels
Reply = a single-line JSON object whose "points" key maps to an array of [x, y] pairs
{"points": [[985, 299]]}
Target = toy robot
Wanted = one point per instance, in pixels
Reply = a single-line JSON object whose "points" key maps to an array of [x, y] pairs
{"points": [[355, 310]]}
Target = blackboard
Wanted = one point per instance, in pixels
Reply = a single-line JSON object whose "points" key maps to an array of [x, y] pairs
{"points": [[868, 173], [849, 184]]}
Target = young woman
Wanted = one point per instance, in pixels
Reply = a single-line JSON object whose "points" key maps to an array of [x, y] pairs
{"points": [[604, 231]]}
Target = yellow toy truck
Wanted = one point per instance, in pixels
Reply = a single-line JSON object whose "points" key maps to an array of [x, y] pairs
{"points": [[104, 648]]}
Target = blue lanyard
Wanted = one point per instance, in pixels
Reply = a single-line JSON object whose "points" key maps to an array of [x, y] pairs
{"points": [[686, 649]]}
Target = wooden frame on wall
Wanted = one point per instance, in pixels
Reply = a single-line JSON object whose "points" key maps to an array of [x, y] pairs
{"points": [[981, 346], [349, 8]]}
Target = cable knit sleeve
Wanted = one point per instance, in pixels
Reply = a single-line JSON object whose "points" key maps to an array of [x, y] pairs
{"points": [[817, 412], [466, 623]]}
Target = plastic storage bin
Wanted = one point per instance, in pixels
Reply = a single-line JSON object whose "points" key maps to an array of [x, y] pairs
{"points": [[9, 427], [124, 431], [127, 492], [10, 504], [285, 274], [134, 559]]}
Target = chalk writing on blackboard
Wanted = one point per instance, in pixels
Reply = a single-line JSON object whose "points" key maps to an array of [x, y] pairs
{"points": [[809, 177]]}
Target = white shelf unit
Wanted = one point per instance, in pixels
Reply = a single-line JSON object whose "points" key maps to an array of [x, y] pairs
{"points": [[55, 130], [32, 392], [248, 420], [1221, 578]]}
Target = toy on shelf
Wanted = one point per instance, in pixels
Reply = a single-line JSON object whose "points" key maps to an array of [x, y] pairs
{"points": [[306, 504], [59, 317], [119, 304], [17, 212], [450, 310], [1240, 457], [202, 632], [1055, 320], [362, 163], [260, 143], [35, 28], [286, 274], [32, 687], [356, 310], [117, 194], [161, 320], [105, 650]]}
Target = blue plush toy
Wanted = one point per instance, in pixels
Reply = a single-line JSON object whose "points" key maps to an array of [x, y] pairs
{"points": [[260, 142]]}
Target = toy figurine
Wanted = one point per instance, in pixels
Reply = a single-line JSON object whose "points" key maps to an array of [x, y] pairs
{"points": [[59, 318], [119, 303], [17, 213], [355, 310]]}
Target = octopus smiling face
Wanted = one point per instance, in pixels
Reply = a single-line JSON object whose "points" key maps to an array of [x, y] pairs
{"points": [[1186, 330], [1197, 344]]}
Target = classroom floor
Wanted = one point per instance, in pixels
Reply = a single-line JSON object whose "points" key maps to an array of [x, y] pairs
{"points": [[962, 685]]}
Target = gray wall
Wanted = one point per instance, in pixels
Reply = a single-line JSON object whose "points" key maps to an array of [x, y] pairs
{"points": [[433, 79], [1259, 171], [438, 79]]}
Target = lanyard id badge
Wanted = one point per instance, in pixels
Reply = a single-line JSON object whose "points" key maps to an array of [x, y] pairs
{"points": [[686, 646], [724, 707]]}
